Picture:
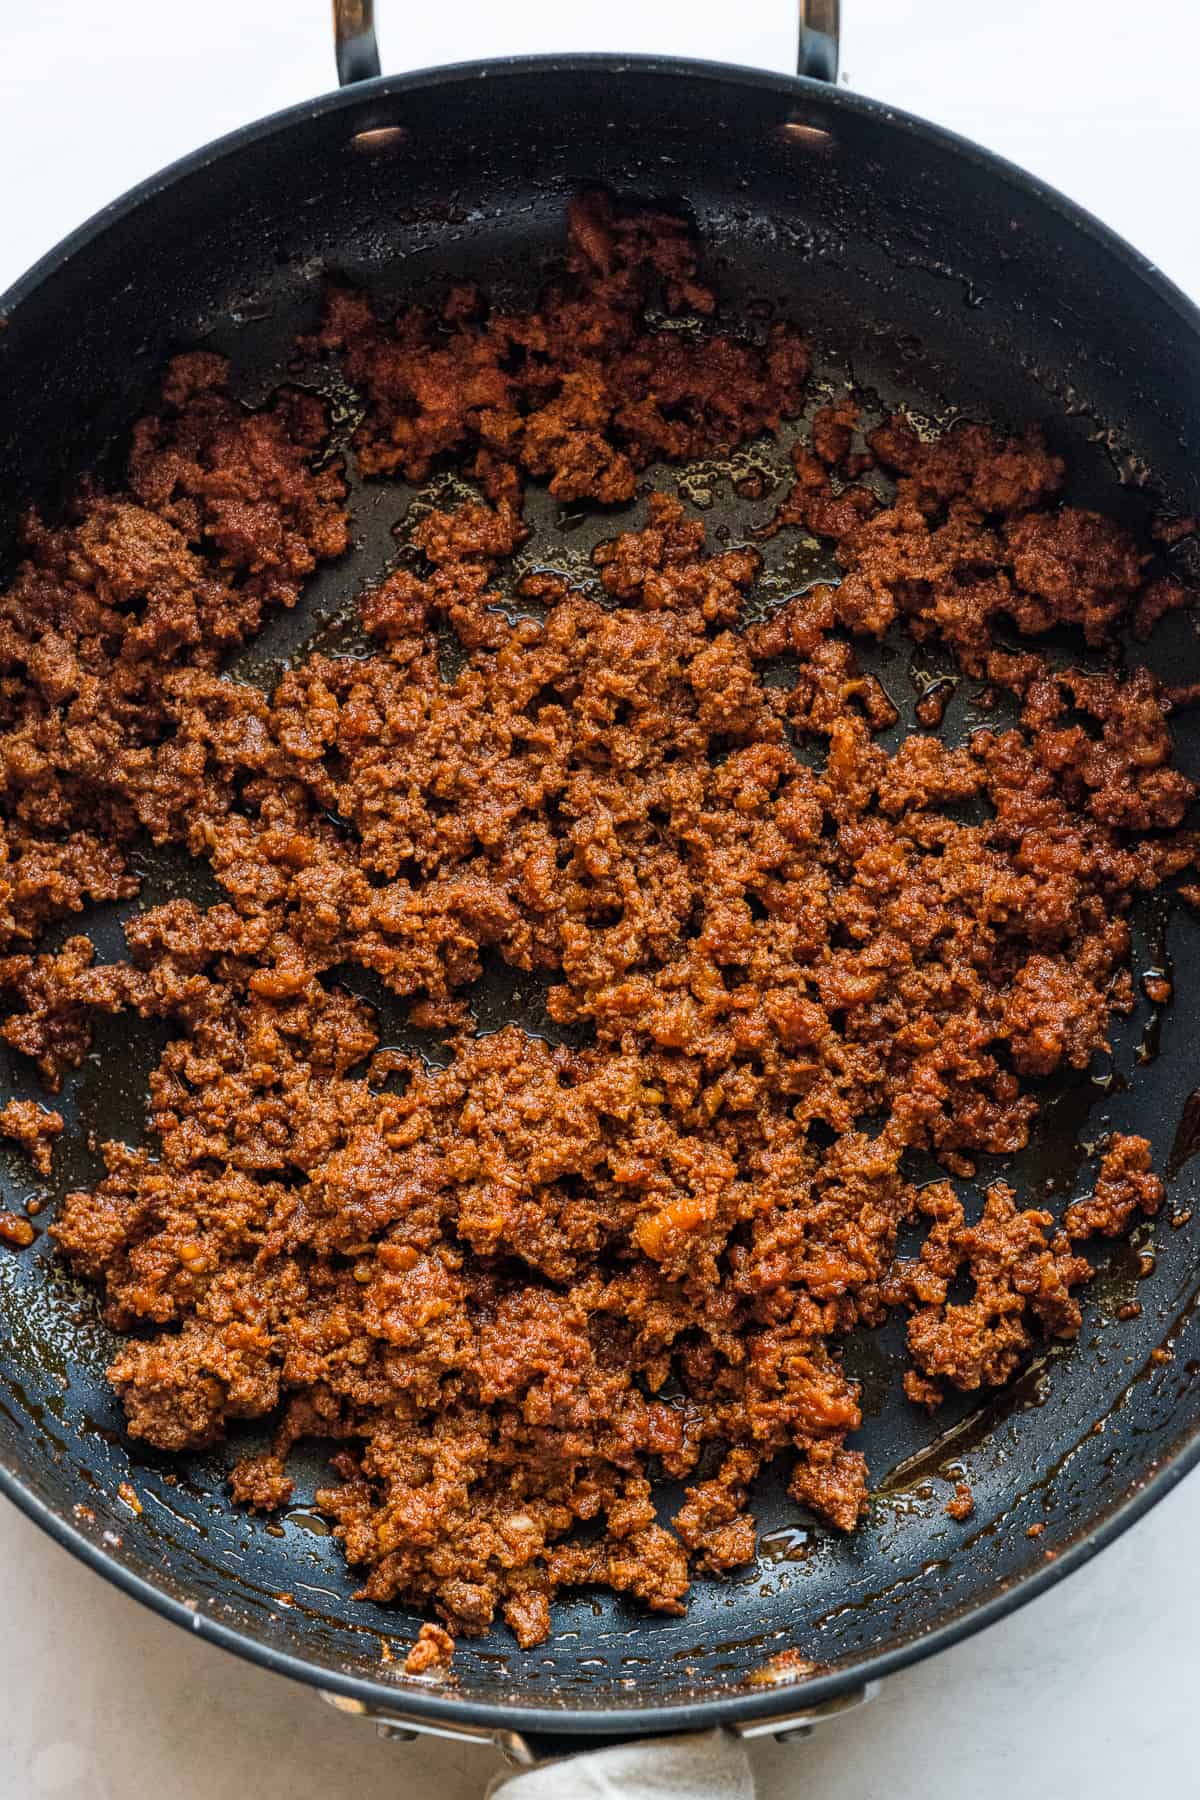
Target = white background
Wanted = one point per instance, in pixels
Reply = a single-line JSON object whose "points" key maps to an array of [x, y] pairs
{"points": [[1092, 1690]]}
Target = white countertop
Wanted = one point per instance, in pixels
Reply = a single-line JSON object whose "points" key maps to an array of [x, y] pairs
{"points": [[1090, 1690]]}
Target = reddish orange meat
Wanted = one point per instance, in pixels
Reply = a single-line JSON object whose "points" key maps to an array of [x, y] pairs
{"points": [[516, 1289]]}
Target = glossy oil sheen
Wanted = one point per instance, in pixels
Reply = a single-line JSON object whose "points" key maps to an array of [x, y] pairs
{"points": [[928, 274]]}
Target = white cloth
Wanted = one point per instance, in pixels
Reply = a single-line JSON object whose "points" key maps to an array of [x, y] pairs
{"points": [[701, 1765]]}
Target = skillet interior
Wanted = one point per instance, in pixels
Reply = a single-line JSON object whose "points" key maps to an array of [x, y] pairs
{"points": [[929, 275]]}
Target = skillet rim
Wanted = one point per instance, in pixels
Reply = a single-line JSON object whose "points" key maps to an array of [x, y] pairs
{"points": [[447, 1711]]}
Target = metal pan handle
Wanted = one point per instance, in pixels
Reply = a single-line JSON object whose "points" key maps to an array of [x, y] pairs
{"points": [[528, 1749], [819, 40], [358, 48], [354, 41]]}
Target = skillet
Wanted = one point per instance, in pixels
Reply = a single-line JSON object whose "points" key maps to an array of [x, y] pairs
{"points": [[932, 275]]}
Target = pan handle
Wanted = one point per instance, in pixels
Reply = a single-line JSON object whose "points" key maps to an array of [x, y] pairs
{"points": [[820, 39], [354, 41], [529, 1749], [358, 48]]}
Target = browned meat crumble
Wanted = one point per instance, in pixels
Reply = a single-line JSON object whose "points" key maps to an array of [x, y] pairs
{"points": [[518, 1288], [961, 1503], [431, 1653], [35, 1128]]}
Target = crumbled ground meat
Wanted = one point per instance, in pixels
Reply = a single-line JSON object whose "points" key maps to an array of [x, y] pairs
{"points": [[515, 1289], [578, 392], [1125, 1186], [15, 1231], [1170, 530], [961, 1503], [432, 1651], [34, 1127], [1022, 1271]]}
